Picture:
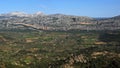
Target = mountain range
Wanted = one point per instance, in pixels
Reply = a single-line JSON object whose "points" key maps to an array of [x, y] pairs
{"points": [[41, 21]]}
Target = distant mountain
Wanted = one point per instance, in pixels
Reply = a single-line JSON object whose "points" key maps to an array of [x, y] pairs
{"points": [[20, 14], [116, 17], [41, 21]]}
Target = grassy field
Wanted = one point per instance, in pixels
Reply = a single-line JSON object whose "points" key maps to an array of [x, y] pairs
{"points": [[59, 49]]}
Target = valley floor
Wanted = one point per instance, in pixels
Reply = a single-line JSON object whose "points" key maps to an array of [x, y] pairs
{"points": [[59, 49]]}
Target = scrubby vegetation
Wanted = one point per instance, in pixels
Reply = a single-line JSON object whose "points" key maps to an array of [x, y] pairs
{"points": [[59, 49]]}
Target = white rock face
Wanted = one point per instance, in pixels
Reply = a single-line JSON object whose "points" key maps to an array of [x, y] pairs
{"points": [[38, 13], [16, 13], [20, 14]]}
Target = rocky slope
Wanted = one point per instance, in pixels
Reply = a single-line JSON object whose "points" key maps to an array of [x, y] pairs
{"points": [[41, 21]]}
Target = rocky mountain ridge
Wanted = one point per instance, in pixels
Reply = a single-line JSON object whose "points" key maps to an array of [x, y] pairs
{"points": [[41, 21]]}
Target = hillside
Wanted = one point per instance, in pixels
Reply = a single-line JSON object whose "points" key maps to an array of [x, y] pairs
{"points": [[41, 21]]}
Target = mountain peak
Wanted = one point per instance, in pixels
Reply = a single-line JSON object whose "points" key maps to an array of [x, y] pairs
{"points": [[38, 13], [17, 13]]}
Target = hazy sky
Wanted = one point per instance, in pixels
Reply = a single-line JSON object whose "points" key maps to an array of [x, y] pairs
{"points": [[92, 8]]}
